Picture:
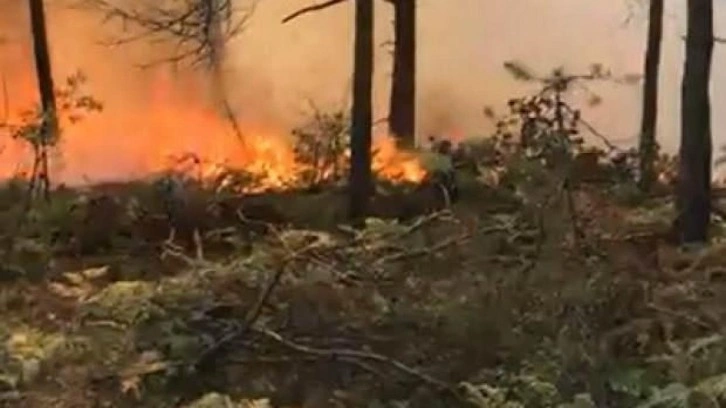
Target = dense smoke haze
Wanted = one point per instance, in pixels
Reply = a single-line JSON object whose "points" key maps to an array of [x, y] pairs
{"points": [[273, 69]]}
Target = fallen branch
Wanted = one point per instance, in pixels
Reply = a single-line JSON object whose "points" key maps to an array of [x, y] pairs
{"points": [[451, 241], [255, 312], [444, 244], [361, 355], [307, 359], [685, 316]]}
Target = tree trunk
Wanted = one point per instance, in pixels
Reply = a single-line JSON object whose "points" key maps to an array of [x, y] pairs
{"points": [[694, 186], [650, 95], [215, 16], [402, 110], [49, 126], [360, 182]]}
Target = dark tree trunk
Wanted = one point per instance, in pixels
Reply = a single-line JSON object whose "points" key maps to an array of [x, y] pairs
{"points": [[49, 129], [402, 110], [42, 58], [650, 95], [361, 183], [694, 186]]}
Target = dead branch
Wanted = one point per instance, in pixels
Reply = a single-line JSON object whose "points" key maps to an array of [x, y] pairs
{"points": [[360, 355], [590, 128], [440, 246], [309, 359], [310, 9], [696, 321], [256, 311], [198, 28]]}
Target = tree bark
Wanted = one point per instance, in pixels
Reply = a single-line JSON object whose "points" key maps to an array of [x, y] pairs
{"points": [[402, 109], [694, 186], [360, 181], [49, 125], [42, 57], [649, 119]]}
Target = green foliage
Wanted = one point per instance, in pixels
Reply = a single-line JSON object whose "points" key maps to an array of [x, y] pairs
{"points": [[580, 401], [126, 303], [485, 396], [216, 400], [713, 389]]}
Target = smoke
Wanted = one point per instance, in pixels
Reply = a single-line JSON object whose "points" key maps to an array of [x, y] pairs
{"points": [[462, 46], [272, 70]]}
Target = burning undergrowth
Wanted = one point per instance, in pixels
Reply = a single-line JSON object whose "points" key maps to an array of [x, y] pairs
{"points": [[179, 133], [222, 181]]}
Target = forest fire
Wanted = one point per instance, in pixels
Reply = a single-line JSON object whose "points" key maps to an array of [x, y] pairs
{"points": [[176, 130]]}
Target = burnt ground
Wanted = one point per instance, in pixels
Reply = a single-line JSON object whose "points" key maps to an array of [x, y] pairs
{"points": [[520, 296]]}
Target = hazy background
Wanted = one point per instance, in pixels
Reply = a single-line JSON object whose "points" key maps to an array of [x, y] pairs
{"points": [[273, 68]]}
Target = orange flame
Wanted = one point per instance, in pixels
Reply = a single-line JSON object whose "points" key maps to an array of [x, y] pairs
{"points": [[395, 164], [130, 142]]}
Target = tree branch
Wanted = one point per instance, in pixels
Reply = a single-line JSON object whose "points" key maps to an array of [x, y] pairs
{"points": [[360, 355], [310, 9], [198, 29]]}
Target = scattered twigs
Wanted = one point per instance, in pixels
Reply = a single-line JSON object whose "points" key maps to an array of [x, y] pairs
{"points": [[448, 242], [696, 321], [360, 355], [374, 247], [441, 245], [256, 311], [702, 258]]}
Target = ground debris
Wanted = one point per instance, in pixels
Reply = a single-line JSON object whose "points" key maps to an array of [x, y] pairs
{"points": [[534, 303]]}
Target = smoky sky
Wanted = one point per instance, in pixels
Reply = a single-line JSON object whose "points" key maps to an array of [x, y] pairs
{"points": [[273, 70]]}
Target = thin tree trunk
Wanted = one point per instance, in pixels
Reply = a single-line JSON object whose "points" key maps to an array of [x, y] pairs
{"points": [[650, 95], [49, 127], [402, 110], [694, 187], [360, 182], [213, 31]]}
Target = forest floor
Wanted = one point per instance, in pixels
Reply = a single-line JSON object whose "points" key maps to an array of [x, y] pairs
{"points": [[533, 295]]}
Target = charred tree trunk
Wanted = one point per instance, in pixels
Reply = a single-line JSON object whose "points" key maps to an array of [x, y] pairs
{"points": [[214, 15], [49, 125], [360, 182], [650, 95], [402, 109], [694, 186]]}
